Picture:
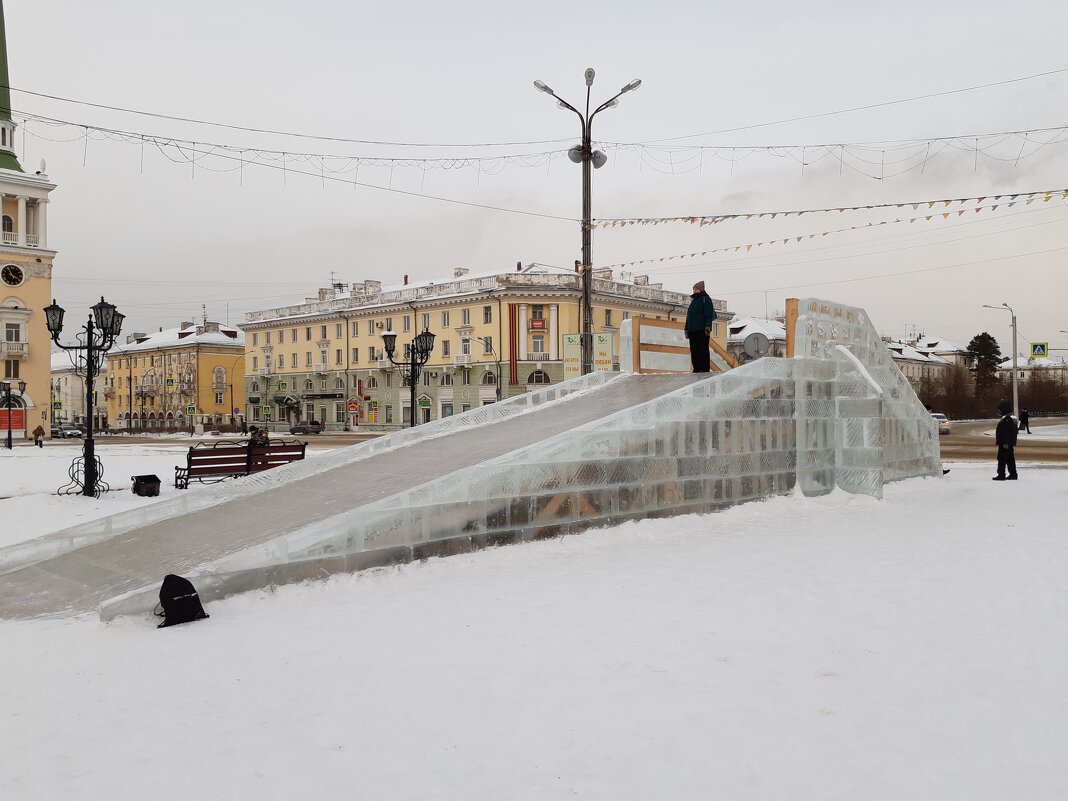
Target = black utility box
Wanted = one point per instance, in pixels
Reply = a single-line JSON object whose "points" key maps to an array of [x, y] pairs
{"points": [[146, 486]]}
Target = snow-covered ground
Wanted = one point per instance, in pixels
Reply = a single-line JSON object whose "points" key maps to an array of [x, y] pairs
{"points": [[831, 648]]}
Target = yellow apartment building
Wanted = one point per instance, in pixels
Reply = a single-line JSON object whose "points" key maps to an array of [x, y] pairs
{"points": [[509, 331], [25, 277], [176, 378]]}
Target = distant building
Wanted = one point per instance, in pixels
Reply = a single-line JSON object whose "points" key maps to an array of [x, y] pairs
{"points": [[1054, 367], [68, 394], [917, 365], [952, 352], [323, 359], [177, 377], [25, 274], [740, 328]]}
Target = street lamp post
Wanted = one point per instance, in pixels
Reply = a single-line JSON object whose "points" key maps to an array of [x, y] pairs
{"points": [[5, 392], [590, 159], [233, 417], [1015, 384], [497, 359], [101, 331], [418, 354]]}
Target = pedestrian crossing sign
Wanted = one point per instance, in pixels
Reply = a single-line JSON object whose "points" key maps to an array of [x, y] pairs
{"points": [[1039, 350]]}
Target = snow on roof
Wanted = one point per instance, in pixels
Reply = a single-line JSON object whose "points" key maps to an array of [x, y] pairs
{"points": [[1027, 363], [741, 327], [61, 360], [939, 345], [227, 336], [902, 350]]}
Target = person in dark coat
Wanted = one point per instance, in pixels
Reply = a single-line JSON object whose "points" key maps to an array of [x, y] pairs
{"points": [[698, 328], [1006, 440], [1025, 421]]}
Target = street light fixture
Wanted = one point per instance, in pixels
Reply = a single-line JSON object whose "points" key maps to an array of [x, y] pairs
{"points": [[5, 392], [590, 159], [101, 330], [418, 354], [1015, 384], [497, 359]]}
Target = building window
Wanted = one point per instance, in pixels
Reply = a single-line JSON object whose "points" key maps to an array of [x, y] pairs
{"points": [[444, 319], [446, 379], [322, 332], [487, 345], [389, 380], [608, 318], [339, 412], [489, 379], [446, 348], [406, 323], [255, 340], [371, 383], [9, 224], [255, 363], [537, 343], [446, 410], [12, 332], [426, 379], [466, 378], [307, 358], [487, 314], [355, 328], [281, 361], [371, 328], [256, 414], [426, 322], [293, 360], [218, 399], [266, 337], [538, 377], [339, 356], [322, 358], [339, 383], [337, 331], [389, 323], [322, 386], [309, 385], [355, 355], [11, 368], [465, 317], [537, 312], [626, 315], [387, 416]]}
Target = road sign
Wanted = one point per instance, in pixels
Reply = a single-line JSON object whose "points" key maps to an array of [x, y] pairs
{"points": [[57, 405], [190, 409], [1039, 350]]}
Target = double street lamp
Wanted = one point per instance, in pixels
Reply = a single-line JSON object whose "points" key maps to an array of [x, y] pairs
{"points": [[5, 393], [1015, 385], [418, 354], [590, 159], [100, 332]]}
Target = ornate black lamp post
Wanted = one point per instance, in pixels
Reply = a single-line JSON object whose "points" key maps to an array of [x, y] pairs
{"points": [[5, 393], [418, 353], [100, 333]]}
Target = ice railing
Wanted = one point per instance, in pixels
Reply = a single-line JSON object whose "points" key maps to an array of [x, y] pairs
{"points": [[906, 438], [56, 543]]}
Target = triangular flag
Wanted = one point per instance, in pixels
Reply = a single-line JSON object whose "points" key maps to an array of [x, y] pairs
{"points": [[961, 212], [748, 248], [945, 216], [947, 202]]}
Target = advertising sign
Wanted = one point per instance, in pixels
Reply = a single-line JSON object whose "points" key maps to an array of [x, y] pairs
{"points": [[603, 345], [353, 405], [572, 356]]}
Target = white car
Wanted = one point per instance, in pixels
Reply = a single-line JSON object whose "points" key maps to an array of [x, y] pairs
{"points": [[943, 422]]}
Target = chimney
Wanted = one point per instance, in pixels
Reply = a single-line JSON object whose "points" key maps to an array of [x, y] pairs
{"points": [[406, 279], [460, 272], [327, 294], [641, 280], [211, 327], [519, 266], [185, 324], [578, 266], [372, 287], [603, 273]]}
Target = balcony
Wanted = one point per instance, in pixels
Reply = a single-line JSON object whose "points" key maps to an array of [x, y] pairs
{"points": [[319, 367], [262, 371], [462, 360], [385, 364], [15, 350], [109, 392], [217, 387], [12, 238]]}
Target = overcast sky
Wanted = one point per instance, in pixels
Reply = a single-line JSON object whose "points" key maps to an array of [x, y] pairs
{"points": [[160, 238]]}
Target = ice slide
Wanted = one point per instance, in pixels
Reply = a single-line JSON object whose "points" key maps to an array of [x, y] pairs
{"points": [[598, 450]]}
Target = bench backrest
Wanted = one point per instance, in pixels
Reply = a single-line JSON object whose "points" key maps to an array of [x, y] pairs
{"points": [[230, 459]]}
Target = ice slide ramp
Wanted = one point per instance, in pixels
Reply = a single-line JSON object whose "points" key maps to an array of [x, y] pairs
{"points": [[86, 571]]}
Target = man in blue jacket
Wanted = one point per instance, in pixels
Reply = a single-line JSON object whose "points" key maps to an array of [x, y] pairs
{"points": [[698, 327], [1005, 434]]}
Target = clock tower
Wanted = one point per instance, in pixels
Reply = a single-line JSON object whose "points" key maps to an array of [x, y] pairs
{"points": [[25, 275]]}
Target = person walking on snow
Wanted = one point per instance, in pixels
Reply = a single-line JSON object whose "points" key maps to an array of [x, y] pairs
{"points": [[1005, 435], [38, 437], [698, 328], [1025, 421]]}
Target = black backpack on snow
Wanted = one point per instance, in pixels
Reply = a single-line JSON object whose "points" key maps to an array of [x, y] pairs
{"points": [[179, 601]]}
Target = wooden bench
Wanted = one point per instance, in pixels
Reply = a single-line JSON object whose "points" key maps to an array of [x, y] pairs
{"points": [[209, 463]]}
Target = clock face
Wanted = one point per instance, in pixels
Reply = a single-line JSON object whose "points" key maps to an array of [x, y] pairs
{"points": [[12, 275]]}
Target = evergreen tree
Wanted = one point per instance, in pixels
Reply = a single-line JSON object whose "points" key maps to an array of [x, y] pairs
{"points": [[986, 356]]}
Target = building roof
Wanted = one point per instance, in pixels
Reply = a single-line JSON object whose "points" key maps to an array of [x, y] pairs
{"points": [[905, 352], [8, 161], [939, 345], [741, 327], [1027, 363], [183, 337]]}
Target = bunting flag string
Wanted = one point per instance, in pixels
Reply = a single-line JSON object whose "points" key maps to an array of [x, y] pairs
{"points": [[934, 215], [714, 219]]}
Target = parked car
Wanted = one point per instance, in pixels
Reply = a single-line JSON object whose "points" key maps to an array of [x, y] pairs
{"points": [[308, 427], [65, 431], [943, 422]]}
